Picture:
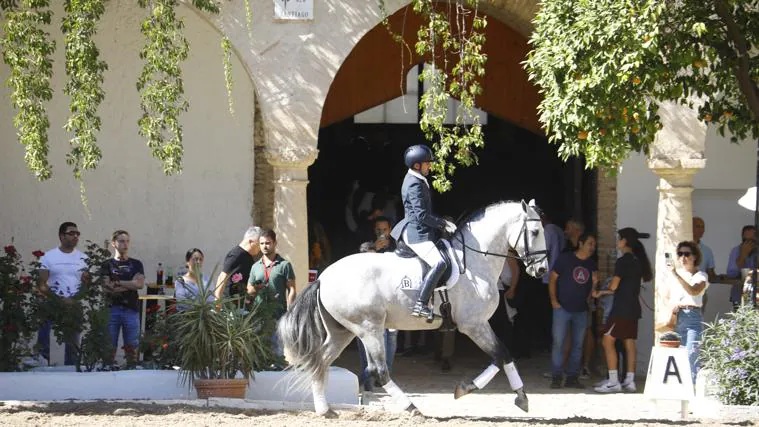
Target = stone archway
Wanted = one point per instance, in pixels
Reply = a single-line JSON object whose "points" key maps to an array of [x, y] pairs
{"points": [[292, 66], [371, 73]]}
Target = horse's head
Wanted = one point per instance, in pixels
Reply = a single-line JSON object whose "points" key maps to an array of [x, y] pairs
{"points": [[526, 237]]}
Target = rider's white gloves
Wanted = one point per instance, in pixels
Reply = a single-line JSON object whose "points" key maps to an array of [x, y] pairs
{"points": [[450, 227]]}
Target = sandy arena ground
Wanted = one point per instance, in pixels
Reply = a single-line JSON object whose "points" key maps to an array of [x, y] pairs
{"points": [[429, 388]]}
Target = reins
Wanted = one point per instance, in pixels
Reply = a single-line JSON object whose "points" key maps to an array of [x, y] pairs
{"points": [[527, 258]]}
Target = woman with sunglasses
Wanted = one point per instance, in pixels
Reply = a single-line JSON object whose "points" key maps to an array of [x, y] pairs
{"points": [[689, 296]]}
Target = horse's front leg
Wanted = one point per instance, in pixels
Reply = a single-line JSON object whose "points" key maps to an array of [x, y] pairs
{"points": [[486, 339]]}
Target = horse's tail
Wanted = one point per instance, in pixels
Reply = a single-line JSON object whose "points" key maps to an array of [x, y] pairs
{"points": [[302, 333]]}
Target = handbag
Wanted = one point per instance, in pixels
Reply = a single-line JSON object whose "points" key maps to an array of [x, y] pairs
{"points": [[669, 324]]}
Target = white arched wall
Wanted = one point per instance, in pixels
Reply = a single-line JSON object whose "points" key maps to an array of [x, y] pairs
{"points": [[292, 65], [208, 206]]}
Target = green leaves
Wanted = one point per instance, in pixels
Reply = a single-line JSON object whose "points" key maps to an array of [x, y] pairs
{"points": [[85, 86], [226, 48], [448, 37], [730, 350], [603, 67], [27, 50], [160, 83], [216, 339]]}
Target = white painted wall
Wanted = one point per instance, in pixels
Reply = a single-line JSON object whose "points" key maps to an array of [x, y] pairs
{"points": [[208, 206], [730, 169]]}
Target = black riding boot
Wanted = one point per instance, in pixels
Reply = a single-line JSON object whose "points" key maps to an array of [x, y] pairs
{"points": [[430, 280]]}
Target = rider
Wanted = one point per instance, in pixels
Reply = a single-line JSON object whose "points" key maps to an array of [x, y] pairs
{"points": [[420, 228]]}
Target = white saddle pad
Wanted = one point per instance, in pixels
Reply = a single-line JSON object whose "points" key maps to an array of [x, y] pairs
{"points": [[409, 278]]}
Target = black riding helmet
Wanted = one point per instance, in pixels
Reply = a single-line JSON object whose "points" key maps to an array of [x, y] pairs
{"points": [[417, 154]]}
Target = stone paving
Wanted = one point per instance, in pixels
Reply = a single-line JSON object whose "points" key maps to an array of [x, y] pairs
{"points": [[431, 391]]}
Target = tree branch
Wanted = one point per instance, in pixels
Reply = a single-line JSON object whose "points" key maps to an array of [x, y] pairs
{"points": [[743, 68]]}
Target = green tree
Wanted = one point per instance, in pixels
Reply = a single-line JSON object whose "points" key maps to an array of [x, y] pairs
{"points": [[452, 37], [603, 67]]}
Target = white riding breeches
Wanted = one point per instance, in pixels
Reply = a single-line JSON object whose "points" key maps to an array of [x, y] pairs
{"points": [[427, 251]]}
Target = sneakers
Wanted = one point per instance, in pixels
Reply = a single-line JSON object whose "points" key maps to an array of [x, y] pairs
{"points": [[572, 382], [421, 310], [608, 387], [629, 387], [585, 375], [600, 383], [556, 382]]}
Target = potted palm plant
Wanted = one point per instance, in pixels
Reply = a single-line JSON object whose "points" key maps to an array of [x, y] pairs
{"points": [[221, 343]]}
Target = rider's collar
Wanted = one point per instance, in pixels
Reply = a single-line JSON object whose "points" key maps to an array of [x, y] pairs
{"points": [[418, 175]]}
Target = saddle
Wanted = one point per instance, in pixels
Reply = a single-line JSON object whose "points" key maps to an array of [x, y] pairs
{"points": [[404, 251]]}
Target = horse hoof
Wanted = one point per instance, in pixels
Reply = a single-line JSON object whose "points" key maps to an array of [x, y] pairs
{"points": [[463, 389], [330, 414], [522, 402], [413, 411]]}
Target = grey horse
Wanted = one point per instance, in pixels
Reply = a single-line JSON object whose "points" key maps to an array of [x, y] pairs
{"points": [[361, 295]]}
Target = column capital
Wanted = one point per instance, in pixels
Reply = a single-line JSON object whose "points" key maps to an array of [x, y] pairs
{"points": [[299, 158], [676, 173]]}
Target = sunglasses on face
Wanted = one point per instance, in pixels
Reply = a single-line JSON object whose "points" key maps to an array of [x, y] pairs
{"points": [[684, 254]]}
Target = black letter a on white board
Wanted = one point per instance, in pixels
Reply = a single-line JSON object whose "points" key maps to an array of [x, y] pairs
{"points": [[672, 370]]}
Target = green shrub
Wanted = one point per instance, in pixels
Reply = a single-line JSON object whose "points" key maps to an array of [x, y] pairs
{"points": [[730, 349]]}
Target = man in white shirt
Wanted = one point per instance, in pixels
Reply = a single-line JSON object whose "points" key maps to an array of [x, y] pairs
{"points": [[61, 273]]}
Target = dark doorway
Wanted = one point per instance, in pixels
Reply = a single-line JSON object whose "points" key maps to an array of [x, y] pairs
{"points": [[514, 164]]}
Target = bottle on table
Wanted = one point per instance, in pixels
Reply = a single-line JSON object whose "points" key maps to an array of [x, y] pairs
{"points": [[159, 279], [169, 278]]}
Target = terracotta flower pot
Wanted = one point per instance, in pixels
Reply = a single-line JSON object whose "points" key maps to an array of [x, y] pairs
{"points": [[234, 388]]}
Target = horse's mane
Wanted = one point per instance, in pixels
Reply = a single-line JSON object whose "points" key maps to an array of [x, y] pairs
{"points": [[478, 214]]}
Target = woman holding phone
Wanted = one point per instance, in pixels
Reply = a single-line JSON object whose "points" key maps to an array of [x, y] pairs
{"points": [[688, 296]]}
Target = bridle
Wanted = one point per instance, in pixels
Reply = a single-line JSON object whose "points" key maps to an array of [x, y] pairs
{"points": [[529, 258]]}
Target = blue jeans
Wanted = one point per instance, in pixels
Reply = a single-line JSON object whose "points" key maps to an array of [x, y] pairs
{"points": [[391, 343], [127, 321], [562, 321], [689, 325], [43, 342]]}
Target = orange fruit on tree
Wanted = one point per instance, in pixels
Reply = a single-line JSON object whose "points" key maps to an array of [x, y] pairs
{"points": [[582, 135], [634, 129]]}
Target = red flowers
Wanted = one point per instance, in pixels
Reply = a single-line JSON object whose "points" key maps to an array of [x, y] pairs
{"points": [[10, 250], [38, 253]]}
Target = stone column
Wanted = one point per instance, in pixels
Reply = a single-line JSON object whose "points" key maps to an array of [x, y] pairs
{"points": [[675, 157], [673, 225], [290, 211]]}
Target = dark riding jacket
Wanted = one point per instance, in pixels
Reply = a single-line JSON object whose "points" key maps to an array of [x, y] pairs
{"points": [[420, 223]]}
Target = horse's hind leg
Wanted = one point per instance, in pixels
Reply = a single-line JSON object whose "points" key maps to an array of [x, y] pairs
{"points": [[374, 343], [486, 339], [335, 344]]}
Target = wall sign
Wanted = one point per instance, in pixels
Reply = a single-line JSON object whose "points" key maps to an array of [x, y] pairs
{"points": [[294, 10]]}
